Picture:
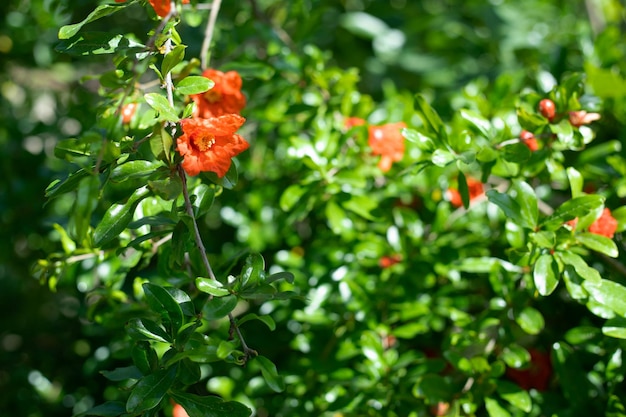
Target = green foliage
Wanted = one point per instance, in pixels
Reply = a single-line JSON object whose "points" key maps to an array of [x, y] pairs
{"points": [[472, 276]]}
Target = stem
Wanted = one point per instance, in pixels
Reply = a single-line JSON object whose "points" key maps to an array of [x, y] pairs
{"points": [[208, 33]]}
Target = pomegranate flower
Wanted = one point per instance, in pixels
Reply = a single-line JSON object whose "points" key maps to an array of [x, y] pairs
{"points": [[605, 225], [210, 144], [388, 142], [581, 117], [529, 140], [350, 122], [224, 98], [474, 187]]}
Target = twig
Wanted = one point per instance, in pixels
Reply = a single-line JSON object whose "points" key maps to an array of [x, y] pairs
{"points": [[208, 33]]}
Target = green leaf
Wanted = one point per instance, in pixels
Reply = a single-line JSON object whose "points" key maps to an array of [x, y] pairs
{"points": [[268, 320], [517, 153], [108, 409], [576, 207], [494, 409], [58, 187], [580, 266], [122, 374], [546, 274], [291, 196], [144, 357], [270, 374], [99, 43], [442, 157], [160, 104], [575, 182], [530, 320], [228, 181], [287, 276], [361, 205], [85, 203], [253, 271], [133, 170], [162, 302], [117, 218], [463, 190], [211, 286], [202, 198], [515, 356], [194, 84], [508, 205], [422, 141], [598, 243], [146, 329], [477, 121], [209, 406], [172, 58], [219, 307], [525, 197], [161, 143], [572, 376], [608, 293], [431, 119], [150, 390], [514, 395], [544, 239], [433, 388], [101, 11], [615, 327]]}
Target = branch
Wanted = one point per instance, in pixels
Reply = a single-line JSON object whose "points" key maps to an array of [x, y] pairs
{"points": [[208, 33]]}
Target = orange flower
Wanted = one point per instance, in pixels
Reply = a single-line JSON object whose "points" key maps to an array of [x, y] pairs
{"points": [[529, 140], [605, 225], [387, 261], [128, 111], [224, 98], [350, 122], [161, 7], [179, 411], [474, 188], [209, 144], [387, 141], [581, 117]]}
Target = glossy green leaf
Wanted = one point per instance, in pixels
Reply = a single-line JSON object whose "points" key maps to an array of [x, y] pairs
{"points": [[546, 274], [162, 302], [615, 327], [361, 205], [431, 119], [108, 409], [122, 374], [219, 307], [85, 203], [202, 198], [150, 390], [161, 143], [211, 286], [291, 196], [582, 269], [98, 43], [599, 243], [530, 320], [160, 104], [260, 292], [514, 395], [494, 409], [608, 293], [576, 181], [228, 181], [422, 141], [270, 374], [433, 388], [517, 153], [509, 206], [267, 320], [59, 187], [101, 11], [526, 199], [172, 58], [287, 276], [209, 406], [442, 157], [253, 272], [481, 124], [194, 84], [544, 239], [581, 335], [133, 170], [117, 218], [183, 300], [144, 357], [146, 329], [576, 207], [515, 356], [620, 215]]}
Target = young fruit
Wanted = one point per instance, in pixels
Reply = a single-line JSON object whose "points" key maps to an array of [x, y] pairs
{"points": [[547, 108]]}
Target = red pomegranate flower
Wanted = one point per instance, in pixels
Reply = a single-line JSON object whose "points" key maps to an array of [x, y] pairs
{"points": [[224, 98], [210, 144], [128, 111], [529, 140], [388, 142], [474, 187], [350, 122], [581, 117], [605, 225], [388, 261], [161, 7]]}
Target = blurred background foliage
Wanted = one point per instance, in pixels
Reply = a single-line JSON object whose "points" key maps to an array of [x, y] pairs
{"points": [[290, 54]]}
